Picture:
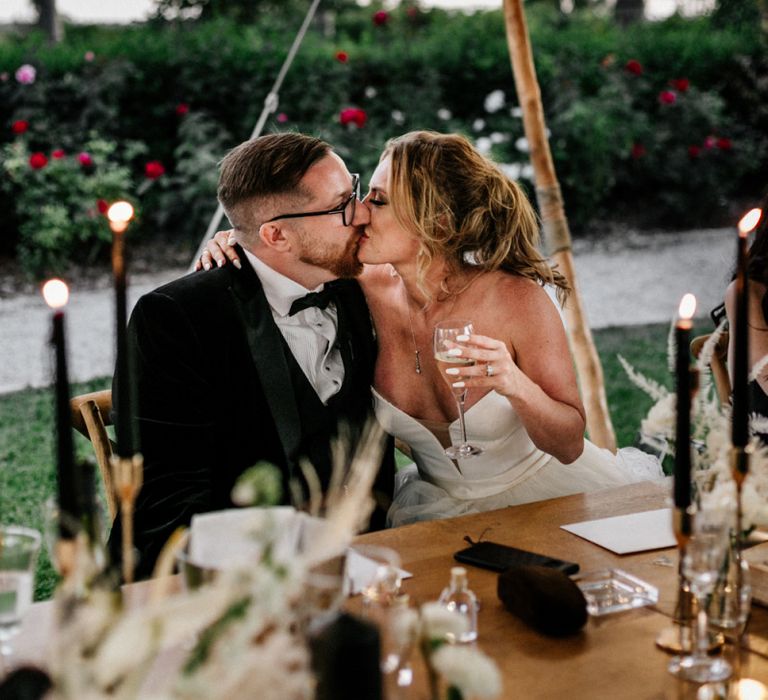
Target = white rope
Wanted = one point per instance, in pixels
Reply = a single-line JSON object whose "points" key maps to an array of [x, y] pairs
{"points": [[270, 105]]}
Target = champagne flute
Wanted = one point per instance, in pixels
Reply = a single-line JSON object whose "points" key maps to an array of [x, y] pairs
{"points": [[703, 559], [446, 333], [19, 547]]}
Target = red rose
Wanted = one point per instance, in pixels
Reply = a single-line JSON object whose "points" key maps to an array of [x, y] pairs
{"points": [[680, 84], [20, 126], [154, 169], [633, 66], [724, 144], [638, 150], [58, 154], [85, 159], [342, 56], [102, 205], [352, 115], [181, 109], [38, 160], [694, 151], [667, 97], [380, 18], [710, 142]]}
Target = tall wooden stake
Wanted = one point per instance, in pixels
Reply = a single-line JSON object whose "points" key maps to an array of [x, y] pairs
{"points": [[557, 235]]}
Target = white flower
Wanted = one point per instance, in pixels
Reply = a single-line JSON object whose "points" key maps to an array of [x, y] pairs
{"points": [[498, 137], [437, 622], [478, 124], [444, 114], [516, 112], [397, 116], [484, 145], [405, 627], [494, 101], [522, 145], [371, 92], [511, 170], [469, 670], [527, 172], [660, 421]]}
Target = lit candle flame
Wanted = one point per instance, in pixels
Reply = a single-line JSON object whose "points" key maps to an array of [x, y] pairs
{"points": [[687, 307], [119, 214], [749, 221], [55, 293]]}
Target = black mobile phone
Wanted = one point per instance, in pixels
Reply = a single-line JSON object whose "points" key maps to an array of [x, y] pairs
{"points": [[500, 557]]}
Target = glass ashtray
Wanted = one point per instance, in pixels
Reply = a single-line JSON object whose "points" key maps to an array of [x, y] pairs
{"points": [[613, 590]]}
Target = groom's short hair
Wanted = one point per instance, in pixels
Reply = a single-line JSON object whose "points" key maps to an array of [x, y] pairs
{"points": [[267, 166]]}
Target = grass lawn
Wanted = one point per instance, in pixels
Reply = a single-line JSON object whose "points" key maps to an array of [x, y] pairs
{"points": [[27, 476]]}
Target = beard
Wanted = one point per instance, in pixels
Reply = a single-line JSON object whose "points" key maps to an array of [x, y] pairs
{"points": [[341, 261]]}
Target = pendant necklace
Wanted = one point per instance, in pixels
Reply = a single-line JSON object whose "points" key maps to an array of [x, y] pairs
{"points": [[416, 351]]}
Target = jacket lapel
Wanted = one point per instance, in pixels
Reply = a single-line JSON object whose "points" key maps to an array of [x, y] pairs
{"points": [[267, 351]]}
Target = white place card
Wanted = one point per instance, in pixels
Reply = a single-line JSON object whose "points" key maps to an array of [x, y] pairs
{"points": [[623, 534]]}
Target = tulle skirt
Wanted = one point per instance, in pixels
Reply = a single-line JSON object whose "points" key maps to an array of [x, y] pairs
{"points": [[418, 499]]}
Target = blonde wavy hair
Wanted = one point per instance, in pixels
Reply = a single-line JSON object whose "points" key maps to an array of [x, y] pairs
{"points": [[463, 208]]}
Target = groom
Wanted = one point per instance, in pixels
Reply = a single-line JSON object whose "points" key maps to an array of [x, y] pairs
{"points": [[235, 366]]}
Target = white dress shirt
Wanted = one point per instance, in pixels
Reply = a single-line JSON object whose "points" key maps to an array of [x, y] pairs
{"points": [[310, 333]]}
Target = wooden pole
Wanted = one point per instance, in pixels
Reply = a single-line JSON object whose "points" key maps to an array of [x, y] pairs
{"points": [[557, 235]]}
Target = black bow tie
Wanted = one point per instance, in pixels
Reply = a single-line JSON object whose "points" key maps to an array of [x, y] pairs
{"points": [[319, 299]]}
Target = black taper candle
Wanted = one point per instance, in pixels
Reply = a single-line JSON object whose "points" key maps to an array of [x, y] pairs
{"points": [[124, 424], [56, 293], [682, 482], [740, 334]]}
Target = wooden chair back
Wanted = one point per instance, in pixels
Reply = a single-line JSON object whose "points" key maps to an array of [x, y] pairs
{"points": [[90, 416], [718, 364]]}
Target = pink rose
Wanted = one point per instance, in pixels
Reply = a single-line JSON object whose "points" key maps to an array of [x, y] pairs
{"points": [[710, 142], [85, 159], [26, 74], [154, 169], [89, 56], [352, 115], [38, 160], [282, 117], [667, 97], [380, 18], [181, 109]]}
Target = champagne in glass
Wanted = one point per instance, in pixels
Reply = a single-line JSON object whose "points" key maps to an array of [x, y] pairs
{"points": [[446, 333]]}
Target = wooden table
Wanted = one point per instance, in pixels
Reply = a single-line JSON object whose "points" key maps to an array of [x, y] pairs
{"points": [[614, 657]]}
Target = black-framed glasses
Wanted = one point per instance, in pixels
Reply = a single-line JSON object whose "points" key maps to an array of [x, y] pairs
{"points": [[347, 209]]}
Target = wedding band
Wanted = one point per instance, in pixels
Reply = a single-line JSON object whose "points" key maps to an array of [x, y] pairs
{"points": [[489, 370]]}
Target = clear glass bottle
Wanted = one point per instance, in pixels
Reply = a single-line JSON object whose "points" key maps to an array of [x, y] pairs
{"points": [[459, 598]]}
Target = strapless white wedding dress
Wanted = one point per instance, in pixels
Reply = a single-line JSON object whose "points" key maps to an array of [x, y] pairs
{"points": [[511, 469]]}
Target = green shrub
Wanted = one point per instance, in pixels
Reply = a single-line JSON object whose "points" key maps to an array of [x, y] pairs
{"points": [[60, 201], [618, 151]]}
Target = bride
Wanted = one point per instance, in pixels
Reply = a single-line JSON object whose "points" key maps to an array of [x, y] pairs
{"points": [[451, 237]]}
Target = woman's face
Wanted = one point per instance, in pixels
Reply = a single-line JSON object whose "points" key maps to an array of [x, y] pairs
{"points": [[384, 239]]}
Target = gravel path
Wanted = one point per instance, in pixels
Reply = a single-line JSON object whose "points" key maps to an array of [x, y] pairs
{"points": [[634, 278]]}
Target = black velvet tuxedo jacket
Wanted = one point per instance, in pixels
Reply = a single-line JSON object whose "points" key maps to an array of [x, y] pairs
{"points": [[216, 390]]}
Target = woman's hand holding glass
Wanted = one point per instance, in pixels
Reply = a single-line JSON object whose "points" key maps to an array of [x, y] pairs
{"points": [[489, 365]]}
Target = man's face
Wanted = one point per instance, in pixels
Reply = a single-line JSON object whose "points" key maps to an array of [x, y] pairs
{"points": [[324, 241]]}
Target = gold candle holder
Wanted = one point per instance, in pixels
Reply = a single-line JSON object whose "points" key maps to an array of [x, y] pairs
{"points": [[128, 477]]}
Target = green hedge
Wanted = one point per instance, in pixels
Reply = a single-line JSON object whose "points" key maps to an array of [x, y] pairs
{"points": [[619, 152]]}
